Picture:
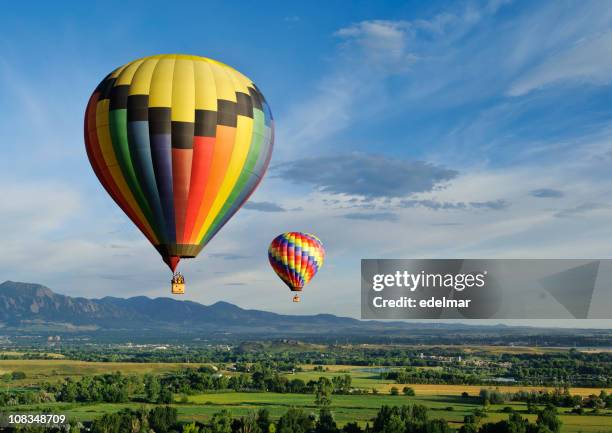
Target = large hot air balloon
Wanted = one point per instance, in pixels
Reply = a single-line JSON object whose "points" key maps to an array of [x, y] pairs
{"points": [[179, 142], [296, 257]]}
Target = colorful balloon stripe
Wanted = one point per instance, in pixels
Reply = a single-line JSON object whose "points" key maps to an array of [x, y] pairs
{"points": [[296, 257], [179, 142]]}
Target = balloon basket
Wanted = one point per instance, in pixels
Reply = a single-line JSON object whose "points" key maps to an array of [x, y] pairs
{"points": [[296, 298], [178, 288]]}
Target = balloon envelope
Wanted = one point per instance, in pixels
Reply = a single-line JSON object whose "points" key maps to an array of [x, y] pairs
{"points": [[296, 257], [179, 142]]}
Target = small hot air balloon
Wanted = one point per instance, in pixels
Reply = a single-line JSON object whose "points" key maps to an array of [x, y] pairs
{"points": [[296, 257], [179, 142]]}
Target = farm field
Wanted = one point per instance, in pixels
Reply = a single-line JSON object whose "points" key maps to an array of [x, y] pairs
{"points": [[362, 408], [368, 378], [442, 400], [38, 371], [43, 370], [346, 408]]}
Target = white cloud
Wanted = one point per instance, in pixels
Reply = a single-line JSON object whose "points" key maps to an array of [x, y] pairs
{"points": [[52, 235], [362, 82], [30, 208], [382, 45], [588, 61]]}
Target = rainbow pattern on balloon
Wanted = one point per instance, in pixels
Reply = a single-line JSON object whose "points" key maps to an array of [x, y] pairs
{"points": [[296, 257], [179, 142]]}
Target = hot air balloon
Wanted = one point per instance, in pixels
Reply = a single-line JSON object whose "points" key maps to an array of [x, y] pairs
{"points": [[179, 142], [296, 257]]}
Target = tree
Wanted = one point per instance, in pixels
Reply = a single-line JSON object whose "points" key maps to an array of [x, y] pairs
{"points": [[295, 421], [18, 375], [263, 420], [408, 391], [125, 421], [531, 408], [69, 391], [394, 391], [326, 422], [497, 427], [394, 425], [479, 414], [323, 391], [246, 424], [142, 414], [419, 413], [191, 428], [162, 419], [548, 418], [351, 427], [383, 416], [108, 423], [437, 426], [537, 428], [468, 428], [517, 424], [152, 388], [514, 424], [470, 419], [342, 384], [165, 396], [221, 422]]}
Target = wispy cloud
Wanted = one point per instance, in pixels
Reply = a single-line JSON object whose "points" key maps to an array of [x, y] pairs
{"points": [[32, 207], [229, 256], [381, 45], [372, 216], [581, 210], [263, 206], [546, 193], [587, 60], [368, 54], [441, 205]]}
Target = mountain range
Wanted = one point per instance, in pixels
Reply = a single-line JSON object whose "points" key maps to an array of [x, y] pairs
{"points": [[24, 305], [33, 308]]}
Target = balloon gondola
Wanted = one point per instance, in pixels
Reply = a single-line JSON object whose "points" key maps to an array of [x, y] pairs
{"points": [[177, 284], [179, 142]]}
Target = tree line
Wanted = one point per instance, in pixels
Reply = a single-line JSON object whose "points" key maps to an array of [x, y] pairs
{"points": [[161, 389], [559, 397]]}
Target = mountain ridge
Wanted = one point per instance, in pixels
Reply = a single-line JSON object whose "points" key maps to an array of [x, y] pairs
{"points": [[22, 303], [38, 310]]}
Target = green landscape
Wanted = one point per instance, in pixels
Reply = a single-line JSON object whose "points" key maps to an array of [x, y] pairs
{"points": [[293, 387]]}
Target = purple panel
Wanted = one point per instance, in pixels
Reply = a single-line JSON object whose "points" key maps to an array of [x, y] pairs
{"points": [[161, 152]]}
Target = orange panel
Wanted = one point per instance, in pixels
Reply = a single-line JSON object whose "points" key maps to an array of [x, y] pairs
{"points": [[222, 153]]}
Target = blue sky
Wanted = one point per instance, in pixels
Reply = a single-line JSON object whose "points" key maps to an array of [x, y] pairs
{"points": [[404, 130]]}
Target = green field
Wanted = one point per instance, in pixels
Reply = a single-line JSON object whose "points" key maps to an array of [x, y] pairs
{"points": [[362, 408], [346, 408], [363, 377], [368, 378]]}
